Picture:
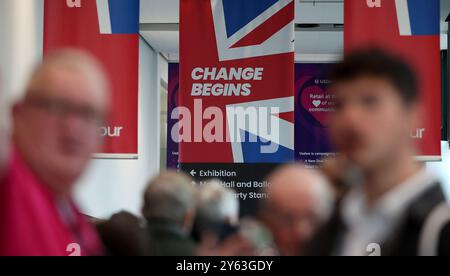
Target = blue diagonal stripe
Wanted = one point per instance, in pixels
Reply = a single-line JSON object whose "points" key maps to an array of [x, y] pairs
{"points": [[124, 16], [424, 16], [239, 13]]}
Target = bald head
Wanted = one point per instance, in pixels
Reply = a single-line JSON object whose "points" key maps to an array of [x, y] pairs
{"points": [[298, 200], [294, 183], [78, 66], [56, 124]]}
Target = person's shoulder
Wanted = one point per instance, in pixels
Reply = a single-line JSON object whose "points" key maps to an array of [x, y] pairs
{"points": [[444, 240], [435, 231], [326, 237]]}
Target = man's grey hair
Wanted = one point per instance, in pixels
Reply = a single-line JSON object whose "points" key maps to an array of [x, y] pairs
{"points": [[321, 188], [216, 205], [170, 196]]}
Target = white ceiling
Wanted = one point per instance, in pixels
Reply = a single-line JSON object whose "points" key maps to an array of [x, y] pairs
{"points": [[165, 40], [318, 11]]}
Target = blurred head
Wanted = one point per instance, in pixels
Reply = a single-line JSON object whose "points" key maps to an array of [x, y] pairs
{"points": [[299, 200], [171, 196], [123, 235], [56, 124], [216, 206], [376, 108]]}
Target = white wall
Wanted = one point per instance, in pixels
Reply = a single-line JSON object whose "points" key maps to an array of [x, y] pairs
{"points": [[112, 185], [21, 28]]}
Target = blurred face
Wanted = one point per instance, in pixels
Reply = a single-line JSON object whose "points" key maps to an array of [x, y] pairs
{"points": [[56, 126], [371, 123], [291, 216]]}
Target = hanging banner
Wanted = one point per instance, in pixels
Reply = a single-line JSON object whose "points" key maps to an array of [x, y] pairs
{"points": [[108, 29], [411, 29], [236, 90], [172, 103], [313, 104]]}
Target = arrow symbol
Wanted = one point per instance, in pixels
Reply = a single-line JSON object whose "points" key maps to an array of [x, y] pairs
{"points": [[193, 173]]}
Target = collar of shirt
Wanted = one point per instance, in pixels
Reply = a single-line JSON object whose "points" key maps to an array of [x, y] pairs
{"points": [[372, 225]]}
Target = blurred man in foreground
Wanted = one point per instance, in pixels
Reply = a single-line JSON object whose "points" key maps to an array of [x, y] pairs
{"points": [[394, 207], [169, 208], [299, 201], [55, 131]]}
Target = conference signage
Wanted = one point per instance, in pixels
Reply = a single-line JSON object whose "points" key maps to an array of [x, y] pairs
{"points": [[108, 29], [411, 29], [172, 103], [236, 91], [313, 105]]}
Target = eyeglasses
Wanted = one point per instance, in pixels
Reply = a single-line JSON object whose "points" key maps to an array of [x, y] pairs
{"points": [[289, 220], [61, 109]]}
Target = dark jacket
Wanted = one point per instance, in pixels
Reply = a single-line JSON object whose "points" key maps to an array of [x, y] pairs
{"points": [[123, 235], [166, 238], [403, 242]]}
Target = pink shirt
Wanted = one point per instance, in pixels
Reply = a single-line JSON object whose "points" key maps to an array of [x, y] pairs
{"points": [[34, 223]]}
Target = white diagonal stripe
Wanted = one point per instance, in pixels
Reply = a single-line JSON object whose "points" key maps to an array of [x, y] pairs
{"points": [[281, 42], [252, 25], [404, 22], [287, 128], [104, 20]]}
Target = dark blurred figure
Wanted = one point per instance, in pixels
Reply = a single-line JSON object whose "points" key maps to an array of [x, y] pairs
{"points": [[169, 208], [299, 201], [335, 169], [251, 238], [393, 207], [124, 235], [217, 211], [55, 132]]}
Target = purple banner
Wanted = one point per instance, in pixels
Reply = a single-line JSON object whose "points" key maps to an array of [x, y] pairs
{"points": [[172, 102], [313, 104]]}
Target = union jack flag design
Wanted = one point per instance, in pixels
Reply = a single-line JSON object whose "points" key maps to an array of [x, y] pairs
{"points": [[241, 34], [253, 28], [109, 30], [410, 29], [418, 17], [118, 16]]}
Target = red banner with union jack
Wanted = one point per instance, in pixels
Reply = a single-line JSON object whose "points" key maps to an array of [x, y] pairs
{"points": [[108, 29], [409, 28]]}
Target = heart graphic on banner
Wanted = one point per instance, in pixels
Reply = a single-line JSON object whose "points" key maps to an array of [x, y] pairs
{"points": [[313, 100], [317, 103]]}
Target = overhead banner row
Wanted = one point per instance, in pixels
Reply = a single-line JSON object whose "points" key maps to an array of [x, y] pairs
{"points": [[237, 58]]}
